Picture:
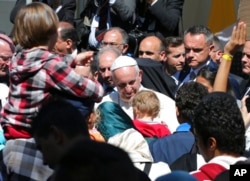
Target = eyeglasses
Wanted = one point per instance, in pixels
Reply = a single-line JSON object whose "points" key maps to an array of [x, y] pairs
{"points": [[112, 44], [5, 58]]}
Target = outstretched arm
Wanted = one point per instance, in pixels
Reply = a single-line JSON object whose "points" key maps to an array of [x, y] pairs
{"points": [[237, 40]]}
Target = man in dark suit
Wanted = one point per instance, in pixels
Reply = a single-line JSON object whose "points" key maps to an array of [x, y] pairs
{"points": [[198, 42], [155, 78], [175, 57], [152, 56], [161, 16], [65, 9]]}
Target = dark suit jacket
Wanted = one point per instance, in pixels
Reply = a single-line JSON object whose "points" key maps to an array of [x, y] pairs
{"points": [[236, 82], [164, 15], [154, 77], [67, 13]]}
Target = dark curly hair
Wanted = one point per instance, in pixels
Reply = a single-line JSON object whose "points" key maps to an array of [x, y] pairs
{"points": [[188, 96], [218, 116]]}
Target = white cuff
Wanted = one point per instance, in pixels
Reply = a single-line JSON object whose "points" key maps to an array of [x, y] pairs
{"points": [[154, 2], [111, 2]]}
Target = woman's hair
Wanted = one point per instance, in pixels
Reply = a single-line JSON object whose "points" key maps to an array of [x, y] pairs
{"points": [[35, 25], [112, 119], [210, 77], [146, 103]]}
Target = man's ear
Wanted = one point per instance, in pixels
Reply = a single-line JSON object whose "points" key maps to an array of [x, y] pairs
{"points": [[69, 43], [163, 56], [57, 134], [125, 48], [96, 75], [140, 74], [177, 111], [211, 48], [211, 144]]}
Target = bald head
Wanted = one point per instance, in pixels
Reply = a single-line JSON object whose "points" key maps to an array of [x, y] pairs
{"points": [[7, 41], [152, 47], [7, 49]]}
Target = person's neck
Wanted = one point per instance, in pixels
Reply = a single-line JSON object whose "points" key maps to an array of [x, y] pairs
{"points": [[145, 118], [170, 71], [40, 47]]}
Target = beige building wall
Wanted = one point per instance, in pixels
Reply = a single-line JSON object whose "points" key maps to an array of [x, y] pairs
{"points": [[197, 12]]}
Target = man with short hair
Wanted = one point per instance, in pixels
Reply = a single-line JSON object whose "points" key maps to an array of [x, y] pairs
{"points": [[219, 130], [175, 57], [217, 52], [105, 57], [198, 42], [152, 56], [116, 37], [152, 47], [246, 58], [67, 39], [7, 49]]}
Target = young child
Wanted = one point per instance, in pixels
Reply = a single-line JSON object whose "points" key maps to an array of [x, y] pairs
{"points": [[35, 72], [146, 107], [93, 132]]}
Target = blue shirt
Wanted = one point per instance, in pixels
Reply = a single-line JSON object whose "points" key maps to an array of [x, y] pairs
{"points": [[183, 127]]}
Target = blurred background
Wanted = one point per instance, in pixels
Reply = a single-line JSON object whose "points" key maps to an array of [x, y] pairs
{"points": [[216, 14]]}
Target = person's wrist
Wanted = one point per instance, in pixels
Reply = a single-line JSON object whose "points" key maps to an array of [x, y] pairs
{"points": [[227, 57]]}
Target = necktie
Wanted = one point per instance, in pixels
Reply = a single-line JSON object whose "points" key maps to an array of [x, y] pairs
{"points": [[192, 75], [103, 14], [109, 90]]}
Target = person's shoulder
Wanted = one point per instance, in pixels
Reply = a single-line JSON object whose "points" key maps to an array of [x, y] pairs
{"points": [[112, 97], [20, 142], [162, 97]]}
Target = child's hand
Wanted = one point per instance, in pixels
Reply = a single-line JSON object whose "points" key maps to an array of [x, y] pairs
{"points": [[84, 58]]}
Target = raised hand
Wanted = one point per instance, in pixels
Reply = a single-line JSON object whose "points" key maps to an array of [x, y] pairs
{"points": [[238, 38], [84, 58]]}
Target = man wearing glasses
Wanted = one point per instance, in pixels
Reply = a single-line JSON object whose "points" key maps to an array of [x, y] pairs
{"points": [[116, 37], [6, 51]]}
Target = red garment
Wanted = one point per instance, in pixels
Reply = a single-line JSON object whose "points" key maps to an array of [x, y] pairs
{"points": [[151, 129], [208, 171], [12, 132], [34, 75]]}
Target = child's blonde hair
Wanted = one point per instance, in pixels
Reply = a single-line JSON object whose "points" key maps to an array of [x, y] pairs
{"points": [[146, 103]]}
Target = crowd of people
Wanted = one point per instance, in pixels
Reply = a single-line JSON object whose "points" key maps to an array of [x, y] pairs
{"points": [[74, 110]]}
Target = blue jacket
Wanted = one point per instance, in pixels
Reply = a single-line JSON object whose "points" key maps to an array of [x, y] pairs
{"points": [[169, 148]]}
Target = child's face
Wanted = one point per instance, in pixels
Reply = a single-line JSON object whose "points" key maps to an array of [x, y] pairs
{"points": [[92, 120]]}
